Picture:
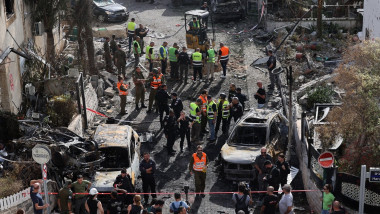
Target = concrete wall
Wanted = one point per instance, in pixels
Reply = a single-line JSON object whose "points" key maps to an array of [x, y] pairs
{"points": [[343, 22], [371, 19]]}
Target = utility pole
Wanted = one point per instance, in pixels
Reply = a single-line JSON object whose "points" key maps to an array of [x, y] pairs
{"points": [[319, 18], [290, 113]]}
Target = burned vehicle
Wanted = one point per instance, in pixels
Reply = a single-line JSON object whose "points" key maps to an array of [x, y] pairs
{"points": [[258, 128], [120, 146], [223, 10]]}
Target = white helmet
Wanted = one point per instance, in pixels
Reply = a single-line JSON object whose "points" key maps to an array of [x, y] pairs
{"points": [[93, 191]]}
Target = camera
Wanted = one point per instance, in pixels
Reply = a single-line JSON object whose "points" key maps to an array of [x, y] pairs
{"points": [[244, 188]]}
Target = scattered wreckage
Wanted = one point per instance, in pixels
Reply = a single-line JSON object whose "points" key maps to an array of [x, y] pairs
{"points": [[258, 128]]}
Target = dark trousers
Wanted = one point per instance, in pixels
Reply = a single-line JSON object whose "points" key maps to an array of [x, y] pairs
{"points": [[79, 205], [140, 95], [108, 60], [150, 65], [219, 119], [173, 69], [183, 70], [170, 141], [149, 183], [197, 70], [224, 66], [183, 134], [195, 131], [164, 64], [123, 103], [203, 123], [130, 40], [163, 108], [200, 181], [137, 60], [152, 98]]}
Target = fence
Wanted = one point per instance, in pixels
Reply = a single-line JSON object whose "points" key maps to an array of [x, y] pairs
{"points": [[14, 200]]}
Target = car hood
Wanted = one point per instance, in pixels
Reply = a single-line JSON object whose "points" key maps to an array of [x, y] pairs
{"points": [[113, 7], [103, 180], [240, 154]]}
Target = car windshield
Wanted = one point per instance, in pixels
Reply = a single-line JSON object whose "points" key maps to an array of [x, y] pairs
{"points": [[101, 3], [246, 135], [115, 158]]}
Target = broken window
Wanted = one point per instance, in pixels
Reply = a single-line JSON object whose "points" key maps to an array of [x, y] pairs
{"points": [[249, 135], [115, 158], [9, 8]]}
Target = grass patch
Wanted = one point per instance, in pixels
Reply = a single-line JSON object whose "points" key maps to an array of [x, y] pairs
{"points": [[9, 186]]}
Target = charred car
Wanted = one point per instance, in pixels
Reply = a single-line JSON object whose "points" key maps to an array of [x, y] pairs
{"points": [[120, 146], [256, 129], [228, 9]]}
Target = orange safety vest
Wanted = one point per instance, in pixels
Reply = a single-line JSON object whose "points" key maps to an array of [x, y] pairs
{"points": [[157, 82], [120, 91], [199, 164], [204, 102], [225, 53]]}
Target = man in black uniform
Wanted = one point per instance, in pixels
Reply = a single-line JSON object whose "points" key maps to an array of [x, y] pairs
{"points": [[272, 176], [236, 110], [231, 92], [184, 62], [123, 183], [185, 123], [147, 169], [162, 98], [260, 95], [115, 206], [271, 64], [176, 105], [170, 131], [260, 168], [242, 97]]}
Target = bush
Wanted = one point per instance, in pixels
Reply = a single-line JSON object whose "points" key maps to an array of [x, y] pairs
{"points": [[9, 186], [321, 94], [61, 110]]}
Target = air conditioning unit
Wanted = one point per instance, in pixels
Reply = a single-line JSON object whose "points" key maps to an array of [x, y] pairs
{"points": [[38, 29]]}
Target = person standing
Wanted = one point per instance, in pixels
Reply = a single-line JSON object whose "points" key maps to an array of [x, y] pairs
{"points": [[174, 206], [327, 199], [170, 131], [185, 123], [260, 96], [107, 55], [242, 199], [38, 203], [114, 205], [211, 117], [136, 207], [223, 114], [198, 167], [123, 92], [210, 64], [271, 64], [242, 97], [260, 167], [337, 208], [131, 28], [272, 175], [236, 110], [113, 45], [93, 205], [197, 61], [141, 32], [163, 53], [284, 168], [65, 195], [123, 183], [156, 80], [176, 105], [173, 58], [137, 51], [203, 97], [120, 60], [270, 202], [184, 62], [223, 57], [195, 115], [162, 98], [147, 169], [80, 186], [231, 92], [286, 203], [138, 80], [149, 55]]}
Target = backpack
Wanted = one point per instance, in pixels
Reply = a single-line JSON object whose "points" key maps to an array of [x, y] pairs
{"points": [[175, 209], [240, 203]]}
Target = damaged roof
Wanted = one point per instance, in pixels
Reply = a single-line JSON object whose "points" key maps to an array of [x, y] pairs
{"points": [[113, 135]]}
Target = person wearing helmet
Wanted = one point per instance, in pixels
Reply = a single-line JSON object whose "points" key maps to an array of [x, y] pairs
{"points": [[93, 205], [223, 114]]}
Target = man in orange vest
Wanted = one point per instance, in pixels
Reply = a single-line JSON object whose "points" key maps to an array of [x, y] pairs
{"points": [[224, 53], [198, 167], [203, 97], [123, 92], [156, 80]]}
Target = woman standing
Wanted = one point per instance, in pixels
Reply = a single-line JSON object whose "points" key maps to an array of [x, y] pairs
{"points": [[93, 205], [136, 207], [284, 169], [327, 199]]}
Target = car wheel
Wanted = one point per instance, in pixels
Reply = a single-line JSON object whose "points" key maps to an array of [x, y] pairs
{"points": [[101, 18]]}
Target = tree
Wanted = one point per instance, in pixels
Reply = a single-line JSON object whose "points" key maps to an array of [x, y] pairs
{"points": [[319, 19], [358, 119], [47, 11]]}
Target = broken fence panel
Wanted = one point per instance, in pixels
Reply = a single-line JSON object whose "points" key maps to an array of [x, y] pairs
{"points": [[15, 199]]}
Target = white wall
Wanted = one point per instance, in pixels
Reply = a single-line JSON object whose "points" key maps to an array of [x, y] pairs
{"points": [[371, 19]]}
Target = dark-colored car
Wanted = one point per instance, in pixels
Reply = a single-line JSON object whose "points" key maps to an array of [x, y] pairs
{"points": [[228, 9], [108, 10]]}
